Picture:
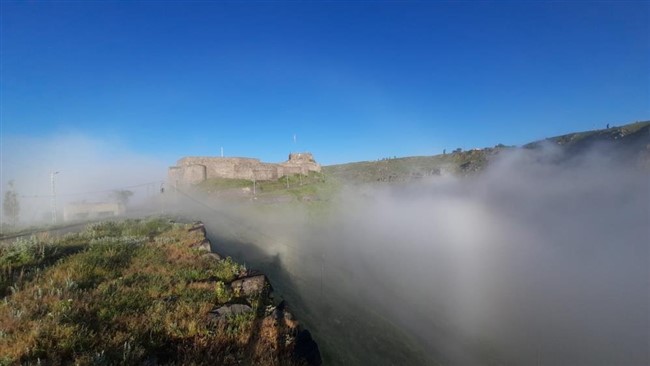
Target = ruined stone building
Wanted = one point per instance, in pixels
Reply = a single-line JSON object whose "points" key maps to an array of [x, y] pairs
{"points": [[195, 169]]}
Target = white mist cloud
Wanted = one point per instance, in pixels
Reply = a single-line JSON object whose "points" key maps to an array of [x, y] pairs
{"points": [[538, 260], [89, 168]]}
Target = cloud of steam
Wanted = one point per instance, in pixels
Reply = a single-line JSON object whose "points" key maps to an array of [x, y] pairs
{"points": [[532, 261], [89, 169], [537, 260]]}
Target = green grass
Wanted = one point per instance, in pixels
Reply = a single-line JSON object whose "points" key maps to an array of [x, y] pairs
{"points": [[635, 127], [291, 182], [465, 162], [612, 133], [294, 182], [123, 293], [294, 188], [8, 231], [217, 184], [409, 168]]}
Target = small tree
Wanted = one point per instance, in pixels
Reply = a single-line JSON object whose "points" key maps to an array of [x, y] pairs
{"points": [[11, 205], [122, 196]]}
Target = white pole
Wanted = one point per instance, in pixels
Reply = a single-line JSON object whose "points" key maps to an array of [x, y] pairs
{"points": [[254, 182], [222, 151], [54, 215]]}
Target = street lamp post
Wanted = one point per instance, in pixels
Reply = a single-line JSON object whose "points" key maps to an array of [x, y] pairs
{"points": [[52, 174], [254, 184]]}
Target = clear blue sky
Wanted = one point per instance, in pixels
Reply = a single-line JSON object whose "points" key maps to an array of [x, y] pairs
{"points": [[353, 80]]}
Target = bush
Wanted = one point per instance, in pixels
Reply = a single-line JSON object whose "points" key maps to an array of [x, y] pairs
{"points": [[149, 227], [103, 229], [227, 270], [222, 292], [22, 251]]}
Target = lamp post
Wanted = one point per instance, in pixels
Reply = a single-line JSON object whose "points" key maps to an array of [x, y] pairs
{"points": [[254, 184], [52, 174]]}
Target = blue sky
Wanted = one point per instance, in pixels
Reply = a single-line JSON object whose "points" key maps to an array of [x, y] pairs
{"points": [[353, 80]]}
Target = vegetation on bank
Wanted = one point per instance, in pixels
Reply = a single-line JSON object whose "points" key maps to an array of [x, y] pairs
{"points": [[607, 134], [296, 187], [136, 291], [217, 184], [414, 167]]}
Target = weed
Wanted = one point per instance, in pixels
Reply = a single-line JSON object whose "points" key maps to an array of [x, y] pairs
{"points": [[222, 292]]}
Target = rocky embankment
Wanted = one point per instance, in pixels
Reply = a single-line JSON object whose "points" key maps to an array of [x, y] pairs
{"points": [[277, 335]]}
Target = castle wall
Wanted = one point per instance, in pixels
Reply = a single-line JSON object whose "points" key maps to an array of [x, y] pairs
{"points": [[194, 169], [235, 168], [187, 175], [293, 169]]}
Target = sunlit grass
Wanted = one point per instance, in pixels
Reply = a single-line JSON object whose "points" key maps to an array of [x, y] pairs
{"points": [[119, 293]]}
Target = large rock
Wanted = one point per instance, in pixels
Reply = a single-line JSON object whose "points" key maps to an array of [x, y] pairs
{"points": [[306, 349], [198, 226], [213, 256], [227, 310], [249, 286], [203, 245]]}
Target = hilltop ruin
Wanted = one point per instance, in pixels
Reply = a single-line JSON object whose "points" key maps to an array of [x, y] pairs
{"points": [[196, 169]]}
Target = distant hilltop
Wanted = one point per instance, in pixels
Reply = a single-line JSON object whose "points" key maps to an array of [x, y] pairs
{"points": [[631, 143], [195, 169]]}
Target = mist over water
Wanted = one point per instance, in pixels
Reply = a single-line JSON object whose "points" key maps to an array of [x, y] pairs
{"points": [[536, 263], [537, 260]]}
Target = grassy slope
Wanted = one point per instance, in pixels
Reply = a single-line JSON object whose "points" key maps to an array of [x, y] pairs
{"points": [[630, 132], [400, 169], [130, 292], [293, 188], [635, 135]]}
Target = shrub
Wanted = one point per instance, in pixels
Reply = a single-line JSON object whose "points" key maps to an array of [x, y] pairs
{"points": [[103, 229], [222, 292], [22, 251]]}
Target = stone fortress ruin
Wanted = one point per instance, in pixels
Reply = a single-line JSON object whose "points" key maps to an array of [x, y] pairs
{"points": [[196, 169]]}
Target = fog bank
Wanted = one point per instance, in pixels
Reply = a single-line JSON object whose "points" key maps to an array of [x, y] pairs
{"points": [[537, 260], [90, 169]]}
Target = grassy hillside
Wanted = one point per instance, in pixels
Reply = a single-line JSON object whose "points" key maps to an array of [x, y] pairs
{"points": [[134, 292], [293, 188], [633, 138], [408, 168], [629, 135]]}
